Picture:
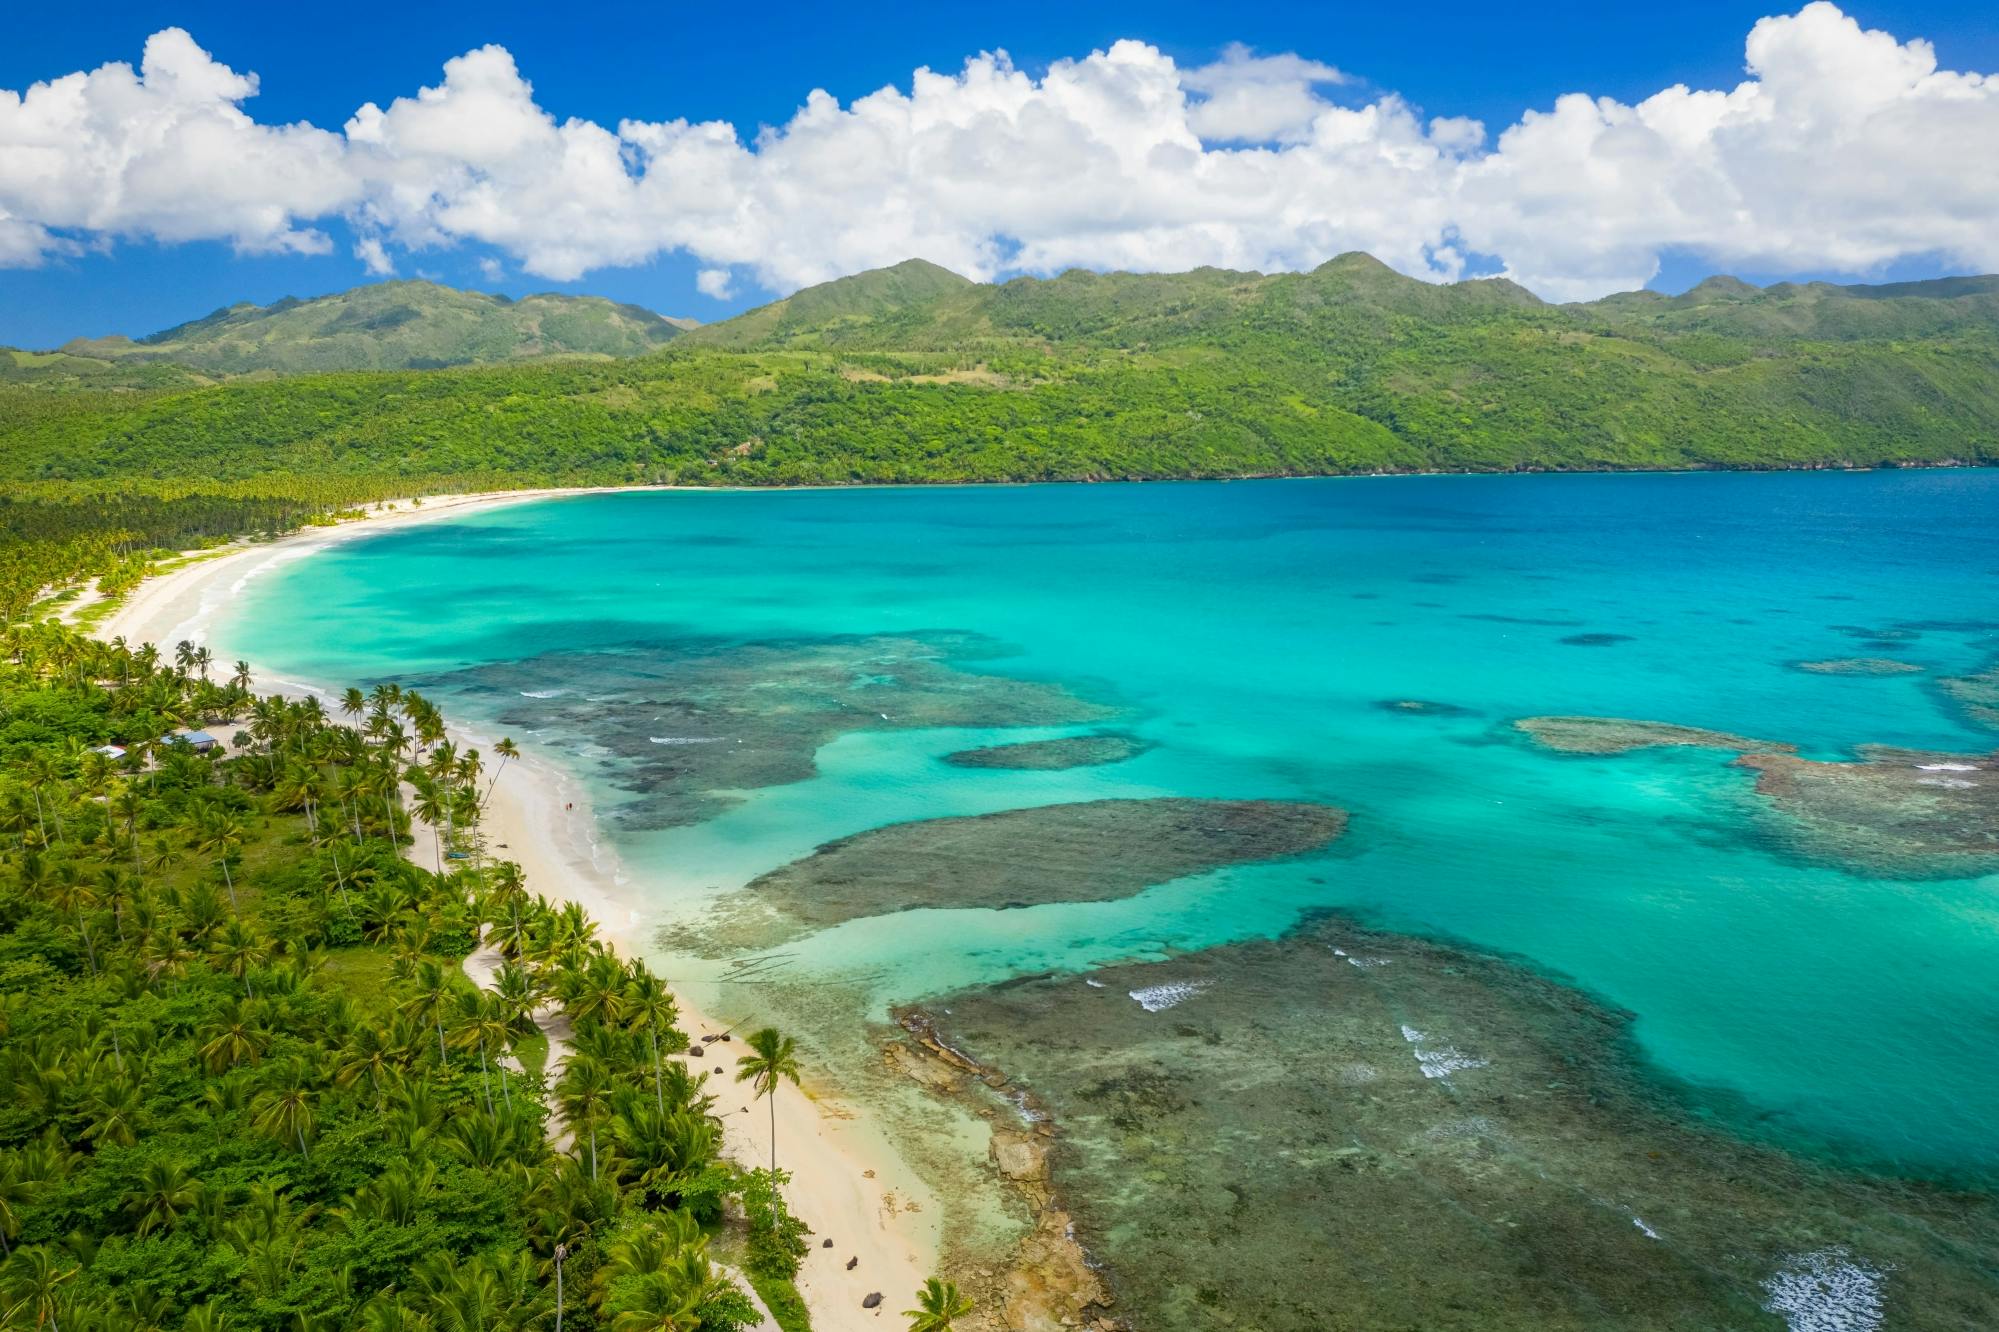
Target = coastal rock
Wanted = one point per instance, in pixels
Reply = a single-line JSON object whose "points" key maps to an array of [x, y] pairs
{"points": [[933, 1073], [873, 1300], [1051, 1285], [1621, 735], [1021, 1157]]}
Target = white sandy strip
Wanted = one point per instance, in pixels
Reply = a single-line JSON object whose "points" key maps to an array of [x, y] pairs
{"points": [[848, 1183]]}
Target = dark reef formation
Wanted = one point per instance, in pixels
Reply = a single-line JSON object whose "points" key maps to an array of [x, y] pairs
{"points": [[1858, 666], [1346, 1129], [1896, 812], [1073, 751], [1423, 707], [674, 722], [1621, 735], [1977, 693], [1091, 851]]}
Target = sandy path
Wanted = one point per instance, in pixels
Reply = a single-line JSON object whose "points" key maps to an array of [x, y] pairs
{"points": [[847, 1182]]}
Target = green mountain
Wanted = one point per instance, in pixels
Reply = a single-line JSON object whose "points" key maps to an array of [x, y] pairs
{"points": [[385, 326], [914, 374], [1208, 304], [862, 299]]}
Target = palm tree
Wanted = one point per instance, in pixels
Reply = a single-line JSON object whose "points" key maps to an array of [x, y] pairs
{"points": [[937, 1305], [481, 1024], [241, 950], [649, 1007], [433, 989], [165, 1191], [235, 1037], [17, 1189], [561, 1254], [366, 1052], [34, 1289], [208, 1317], [516, 995], [584, 1094], [507, 750], [433, 808], [221, 835], [773, 1059], [596, 993], [656, 1302], [284, 1111], [113, 1113]]}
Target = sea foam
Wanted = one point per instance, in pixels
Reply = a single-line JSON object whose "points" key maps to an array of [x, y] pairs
{"points": [[1439, 1061], [1156, 998], [1825, 1291]]}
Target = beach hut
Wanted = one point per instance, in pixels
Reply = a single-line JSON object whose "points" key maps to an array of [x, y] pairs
{"points": [[112, 752], [199, 741]]}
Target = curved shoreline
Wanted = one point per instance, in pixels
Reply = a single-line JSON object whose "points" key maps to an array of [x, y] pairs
{"points": [[846, 1182]]}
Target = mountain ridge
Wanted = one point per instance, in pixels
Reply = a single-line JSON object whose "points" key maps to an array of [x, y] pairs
{"points": [[396, 325], [916, 374]]}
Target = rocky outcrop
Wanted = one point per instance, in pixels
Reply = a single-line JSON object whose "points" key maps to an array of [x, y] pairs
{"points": [[1049, 1284]]}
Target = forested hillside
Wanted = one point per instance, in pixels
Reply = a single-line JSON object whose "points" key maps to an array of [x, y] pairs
{"points": [[913, 374], [385, 326]]}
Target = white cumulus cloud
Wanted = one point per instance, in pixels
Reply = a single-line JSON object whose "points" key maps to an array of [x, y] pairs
{"points": [[1841, 149], [714, 283]]}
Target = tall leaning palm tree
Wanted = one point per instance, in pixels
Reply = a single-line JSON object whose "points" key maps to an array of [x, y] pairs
{"points": [[220, 834], [773, 1059], [938, 1304]]}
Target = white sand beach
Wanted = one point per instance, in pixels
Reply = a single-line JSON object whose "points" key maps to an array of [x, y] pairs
{"points": [[848, 1183]]}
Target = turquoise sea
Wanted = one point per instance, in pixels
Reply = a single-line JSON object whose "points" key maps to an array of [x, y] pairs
{"points": [[1253, 633]]}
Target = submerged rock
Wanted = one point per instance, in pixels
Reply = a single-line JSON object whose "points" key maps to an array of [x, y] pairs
{"points": [[1620, 735], [674, 721], [1296, 1156], [1075, 751], [1859, 666], [1977, 693], [1898, 812], [1092, 851], [1423, 707]]}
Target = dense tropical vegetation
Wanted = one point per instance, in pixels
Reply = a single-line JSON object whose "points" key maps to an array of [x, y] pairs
{"points": [[252, 1083]]}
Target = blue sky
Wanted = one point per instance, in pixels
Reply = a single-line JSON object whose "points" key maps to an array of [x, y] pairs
{"points": [[753, 67]]}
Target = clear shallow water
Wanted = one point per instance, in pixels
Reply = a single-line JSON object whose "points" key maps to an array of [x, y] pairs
{"points": [[1253, 630]]}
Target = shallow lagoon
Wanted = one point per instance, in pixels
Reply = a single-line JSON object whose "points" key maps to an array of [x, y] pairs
{"points": [[1258, 637]]}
